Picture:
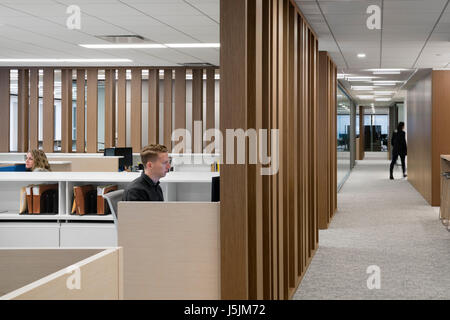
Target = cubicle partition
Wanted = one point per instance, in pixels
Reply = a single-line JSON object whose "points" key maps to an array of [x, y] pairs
{"points": [[61, 274]]}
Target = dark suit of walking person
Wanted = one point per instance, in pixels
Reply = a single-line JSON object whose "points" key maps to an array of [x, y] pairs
{"points": [[399, 149]]}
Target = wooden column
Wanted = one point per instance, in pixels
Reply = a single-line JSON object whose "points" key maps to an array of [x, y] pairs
{"points": [[110, 108], [168, 77], [66, 110], [23, 109], [81, 82], [92, 111], [4, 109], [121, 108], [48, 111], [153, 106], [136, 109], [197, 108], [34, 108], [180, 101]]}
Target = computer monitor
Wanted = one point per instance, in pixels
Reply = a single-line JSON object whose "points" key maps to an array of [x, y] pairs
{"points": [[126, 153], [215, 189]]}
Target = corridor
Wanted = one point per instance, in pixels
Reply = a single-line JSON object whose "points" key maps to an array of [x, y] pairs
{"points": [[383, 223]]}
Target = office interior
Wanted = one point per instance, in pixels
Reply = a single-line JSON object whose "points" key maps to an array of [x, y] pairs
{"points": [[89, 82]]}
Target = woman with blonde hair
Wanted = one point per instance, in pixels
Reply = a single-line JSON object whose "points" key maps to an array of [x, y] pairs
{"points": [[36, 160]]}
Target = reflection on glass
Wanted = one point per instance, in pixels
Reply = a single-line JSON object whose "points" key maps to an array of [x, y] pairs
{"points": [[343, 136]]}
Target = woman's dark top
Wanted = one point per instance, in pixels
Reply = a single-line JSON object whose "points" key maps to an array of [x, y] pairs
{"points": [[399, 143], [143, 189]]}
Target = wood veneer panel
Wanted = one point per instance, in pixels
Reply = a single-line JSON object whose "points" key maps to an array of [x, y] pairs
{"points": [[34, 108], [153, 106], [48, 111], [66, 110], [168, 77], [23, 109], [233, 224], [136, 109], [92, 111], [180, 101], [81, 83], [121, 108], [110, 108]]}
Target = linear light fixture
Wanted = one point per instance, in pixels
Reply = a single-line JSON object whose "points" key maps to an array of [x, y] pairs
{"points": [[67, 60], [386, 72], [359, 78], [361, 55], [362, 88], [365, 97], [149, 45], [386, 81], [383, 99], [383, 93]]}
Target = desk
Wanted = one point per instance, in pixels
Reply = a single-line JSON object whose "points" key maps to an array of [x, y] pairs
{"points": [[64, 229], [56, 166]]}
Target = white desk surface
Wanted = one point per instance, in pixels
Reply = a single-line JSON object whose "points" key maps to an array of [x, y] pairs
{"points": [[17, 216], [171, 177], [23, 162]]}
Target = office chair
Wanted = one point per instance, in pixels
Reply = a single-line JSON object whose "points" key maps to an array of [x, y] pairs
{"points": [[113, 198]]}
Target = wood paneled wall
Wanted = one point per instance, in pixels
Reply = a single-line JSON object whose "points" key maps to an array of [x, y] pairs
{"points": [[419, 119], [87, 81], [269, 80], [326, 140]]}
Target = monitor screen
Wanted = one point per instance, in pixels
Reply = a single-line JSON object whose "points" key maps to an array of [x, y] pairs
{"points": [[215, 189]]}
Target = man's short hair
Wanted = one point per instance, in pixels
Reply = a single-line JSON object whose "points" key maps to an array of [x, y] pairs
{"points": [[150, 153]]}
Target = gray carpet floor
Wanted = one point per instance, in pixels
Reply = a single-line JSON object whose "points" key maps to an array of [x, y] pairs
{"points": [[383, 223]]}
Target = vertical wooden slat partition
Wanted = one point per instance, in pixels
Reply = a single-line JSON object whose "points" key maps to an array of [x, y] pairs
{"points": [[81, 82], [270, 80], [197, 107], [210, 99], [168, 77], [4, 109], [34, 108], [361, 133], [180, 101], [136, 109], [66, 110], [48, 111], [153, 106], [121, 108], [23, 109], [92, 111], [326, 140], [110, 108]]}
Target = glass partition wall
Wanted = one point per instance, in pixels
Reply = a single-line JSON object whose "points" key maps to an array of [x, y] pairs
{"points": [[344, 127]]}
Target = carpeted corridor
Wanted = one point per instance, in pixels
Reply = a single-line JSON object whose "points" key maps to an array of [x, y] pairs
{"points": [[384, 223]]}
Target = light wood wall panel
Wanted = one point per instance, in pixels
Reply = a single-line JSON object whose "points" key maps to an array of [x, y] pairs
{"points": [[92, 111], [66, 110], [23, 109], [110, 108], [180, 101], [48, 110], [4, 109], [153, 106], [197, 108], [136, 109], [81, 129], [168, 78], [121, 108], [34, 108], [269, 80]]}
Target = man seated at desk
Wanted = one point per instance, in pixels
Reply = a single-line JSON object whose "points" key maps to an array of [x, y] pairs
{"points": [[155, 159]]}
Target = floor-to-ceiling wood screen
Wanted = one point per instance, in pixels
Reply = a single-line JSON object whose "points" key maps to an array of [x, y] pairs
{"points": [[326, 140], [269, 80]]}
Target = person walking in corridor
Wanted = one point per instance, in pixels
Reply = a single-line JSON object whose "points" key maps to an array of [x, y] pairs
{"points": [[398, 149]]}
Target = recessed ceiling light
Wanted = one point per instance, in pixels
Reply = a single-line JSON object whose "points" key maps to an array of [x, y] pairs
{"points": [[361, 55], [359, 78], [386, 72], [150, 45], [383, 99], [365, 97], [67, 60]]}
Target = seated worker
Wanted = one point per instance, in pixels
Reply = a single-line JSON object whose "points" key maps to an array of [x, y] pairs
{"points": [[155, 159], [36, 160]]}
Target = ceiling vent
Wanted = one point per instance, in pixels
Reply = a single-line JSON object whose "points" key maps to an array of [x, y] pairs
{"points": [[123, 38]]}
